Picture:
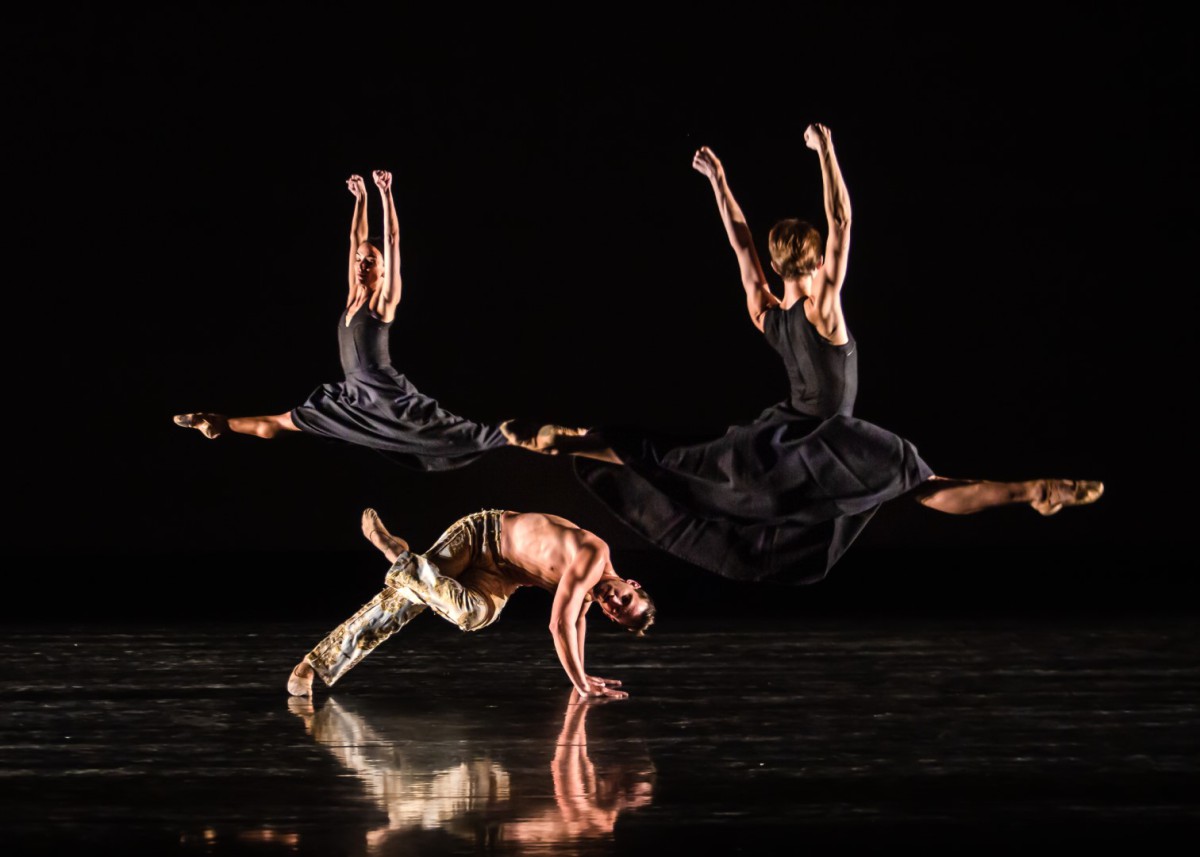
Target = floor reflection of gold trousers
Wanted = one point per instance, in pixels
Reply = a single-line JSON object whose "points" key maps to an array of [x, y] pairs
{"points": [[469, 549]]}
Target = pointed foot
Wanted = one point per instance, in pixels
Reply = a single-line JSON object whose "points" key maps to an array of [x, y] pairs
{"points": [[1057, 494], [210, 425], [377, 534], [538, 437]]}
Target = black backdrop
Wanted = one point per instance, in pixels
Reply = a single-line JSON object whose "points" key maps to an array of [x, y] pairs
{"points": [[1021, 186]]}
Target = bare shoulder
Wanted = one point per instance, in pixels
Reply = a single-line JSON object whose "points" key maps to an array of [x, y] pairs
{"points": [[827, 291], [825, 312], [760, 318]]}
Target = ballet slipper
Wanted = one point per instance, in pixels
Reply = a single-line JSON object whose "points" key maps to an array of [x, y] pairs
{"points": [[1060, 493], [210, 425], [299, 685], [522, 433], [538, 437]]}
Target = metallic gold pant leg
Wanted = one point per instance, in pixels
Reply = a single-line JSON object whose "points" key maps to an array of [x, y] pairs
{"points": [[420, 580], [354, 639]]}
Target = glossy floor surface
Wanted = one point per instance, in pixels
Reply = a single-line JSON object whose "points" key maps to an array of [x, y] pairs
{"points": [[737, 738]]}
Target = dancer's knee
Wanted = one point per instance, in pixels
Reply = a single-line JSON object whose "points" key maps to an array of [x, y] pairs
{"points": [[476, 616], [404, 571]]}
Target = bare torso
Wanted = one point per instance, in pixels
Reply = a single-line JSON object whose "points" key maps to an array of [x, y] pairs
{"points": [[541, 546]]}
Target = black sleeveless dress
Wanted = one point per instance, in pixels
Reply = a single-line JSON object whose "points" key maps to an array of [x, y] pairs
{"points": [[778, 499], [379, 408]]}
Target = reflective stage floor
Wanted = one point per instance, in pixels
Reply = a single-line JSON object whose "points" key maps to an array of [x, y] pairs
{"points": [[736, 739]]}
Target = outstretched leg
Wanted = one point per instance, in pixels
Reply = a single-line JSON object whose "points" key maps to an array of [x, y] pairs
{"points": [[968, 496], [357, 637], [550, 439], [414, 582], [353, 640], [215, 425]]}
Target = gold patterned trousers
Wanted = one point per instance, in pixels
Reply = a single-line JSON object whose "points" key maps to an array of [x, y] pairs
{"points": [[456, 578]]}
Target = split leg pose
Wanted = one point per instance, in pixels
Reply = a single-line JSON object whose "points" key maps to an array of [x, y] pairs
{"points": [[374, 405], [783, 497]]}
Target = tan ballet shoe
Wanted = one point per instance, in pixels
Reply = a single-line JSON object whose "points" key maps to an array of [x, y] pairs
{"points": [[537, 437], [522, 433], [299, 685], [210, 425], [1059, 493]]}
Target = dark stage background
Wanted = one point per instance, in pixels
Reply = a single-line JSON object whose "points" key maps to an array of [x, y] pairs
{"points": [[1021, 185]]}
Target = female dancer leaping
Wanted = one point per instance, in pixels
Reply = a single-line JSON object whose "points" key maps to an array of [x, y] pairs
{"points": [[783, 497], [374, 405]]}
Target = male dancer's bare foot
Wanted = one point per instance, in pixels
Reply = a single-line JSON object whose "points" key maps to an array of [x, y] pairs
{"points": [[210, 425], [378, 535], [301, 679], [538, 437], [1057, 493]]}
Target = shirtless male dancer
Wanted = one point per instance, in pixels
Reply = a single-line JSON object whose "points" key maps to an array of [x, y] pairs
{"points": [[469, 574]]}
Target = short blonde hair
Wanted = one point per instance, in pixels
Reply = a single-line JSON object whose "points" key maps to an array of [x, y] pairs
{"points": [[795, 248]]}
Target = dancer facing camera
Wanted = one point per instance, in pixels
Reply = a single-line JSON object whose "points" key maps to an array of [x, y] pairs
{"points": [[783, 497], [468, 576], [375, 405]]}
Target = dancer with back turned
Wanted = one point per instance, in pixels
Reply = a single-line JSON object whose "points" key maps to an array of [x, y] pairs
{"points": [[783, 497]]}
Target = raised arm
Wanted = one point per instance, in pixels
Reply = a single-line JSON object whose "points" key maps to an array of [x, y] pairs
{"points": [[837, 207], [758, 295], [568, 612], [389, 291], [358, 230]]}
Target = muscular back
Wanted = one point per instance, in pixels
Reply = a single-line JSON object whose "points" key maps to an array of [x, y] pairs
{"points": [[544, 545]]}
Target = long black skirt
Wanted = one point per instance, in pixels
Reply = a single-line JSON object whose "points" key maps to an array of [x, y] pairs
{"points": [[779, 499], [381, 409]]}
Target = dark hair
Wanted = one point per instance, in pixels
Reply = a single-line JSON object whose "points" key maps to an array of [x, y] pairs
{"points": [[644, 620]]}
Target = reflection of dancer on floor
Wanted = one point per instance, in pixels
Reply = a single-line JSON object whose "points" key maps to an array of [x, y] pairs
{"points": [[374, 405], [469, 793], [784, 496], [588, 800], [468, 576]]}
